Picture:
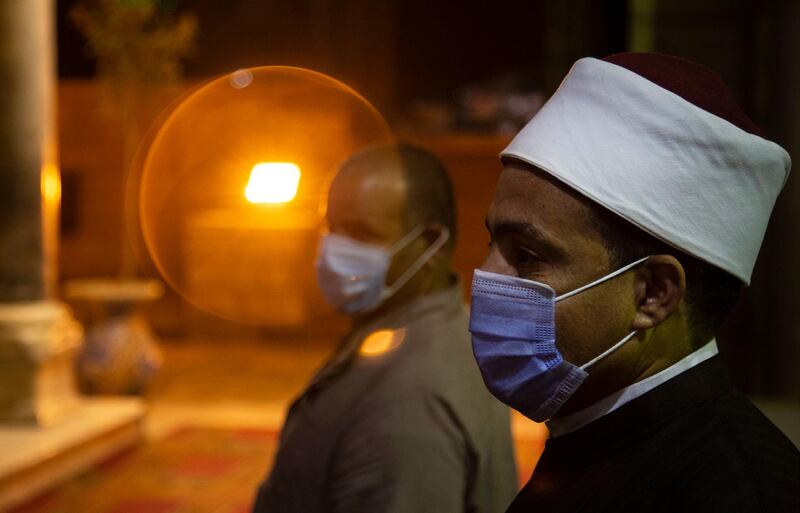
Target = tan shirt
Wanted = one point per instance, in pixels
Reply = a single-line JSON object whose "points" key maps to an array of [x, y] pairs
{"points": [[402, 425]]}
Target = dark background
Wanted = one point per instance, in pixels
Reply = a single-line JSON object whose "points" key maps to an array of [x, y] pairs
{"points": [[399, 52]]}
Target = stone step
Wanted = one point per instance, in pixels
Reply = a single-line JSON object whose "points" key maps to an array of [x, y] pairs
{"points": [[34, 459]]}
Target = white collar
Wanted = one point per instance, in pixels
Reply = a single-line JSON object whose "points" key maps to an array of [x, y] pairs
{"points": [[574, 421]]}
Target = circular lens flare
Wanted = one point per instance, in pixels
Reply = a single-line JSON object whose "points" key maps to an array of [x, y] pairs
{"points": [[231, 188]]}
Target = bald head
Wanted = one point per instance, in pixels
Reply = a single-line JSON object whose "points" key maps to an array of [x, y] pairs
{"points": [[399, 186]]}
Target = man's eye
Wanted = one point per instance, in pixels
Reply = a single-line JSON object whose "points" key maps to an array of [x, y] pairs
{"points": [[524, 257]]}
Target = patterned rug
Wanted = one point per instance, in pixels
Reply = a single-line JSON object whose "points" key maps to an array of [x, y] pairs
{"points": [[196, 470]]}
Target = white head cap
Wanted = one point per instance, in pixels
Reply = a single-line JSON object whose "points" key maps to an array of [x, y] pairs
{"points": [[678, 164]]}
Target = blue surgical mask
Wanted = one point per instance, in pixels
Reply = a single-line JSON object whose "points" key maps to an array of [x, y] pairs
{"points": [[514, 341], [352, 274]]}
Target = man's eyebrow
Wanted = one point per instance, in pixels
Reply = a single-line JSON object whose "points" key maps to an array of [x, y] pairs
{"points": [[527, 230]]}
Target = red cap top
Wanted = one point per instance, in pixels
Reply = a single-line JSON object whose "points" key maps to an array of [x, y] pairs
{"points": [[694, 83]]}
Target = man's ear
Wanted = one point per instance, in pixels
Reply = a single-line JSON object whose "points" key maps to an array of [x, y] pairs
{"points": [[659, 286]]}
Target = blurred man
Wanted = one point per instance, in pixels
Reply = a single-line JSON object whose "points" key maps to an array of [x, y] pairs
{"points": [[628, 215], [398, 420]]}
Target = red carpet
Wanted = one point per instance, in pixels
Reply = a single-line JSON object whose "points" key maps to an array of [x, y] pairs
{"points": [[196, 470]]}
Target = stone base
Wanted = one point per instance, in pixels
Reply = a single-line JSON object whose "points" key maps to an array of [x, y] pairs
{"points": [[38, 342], [34, 458]]}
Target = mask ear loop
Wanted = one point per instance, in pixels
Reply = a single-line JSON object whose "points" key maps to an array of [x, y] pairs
{"points": [[406, 239], [609, 350], [598, 282], [423, 258], [601, 280]]}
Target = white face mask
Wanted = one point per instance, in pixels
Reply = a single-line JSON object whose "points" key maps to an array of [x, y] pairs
{"points": [[352, 274]]}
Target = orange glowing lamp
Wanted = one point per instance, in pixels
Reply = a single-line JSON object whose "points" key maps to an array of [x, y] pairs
{"points": [[272, 182]]}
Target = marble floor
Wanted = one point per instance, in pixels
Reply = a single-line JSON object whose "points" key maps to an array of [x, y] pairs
{"points": [[228, 384], [242, 384], [214, 384]]}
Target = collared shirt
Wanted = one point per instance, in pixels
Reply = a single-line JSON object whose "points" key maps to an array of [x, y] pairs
{"points": [[563, 425], [398, 420], [690, 444]]}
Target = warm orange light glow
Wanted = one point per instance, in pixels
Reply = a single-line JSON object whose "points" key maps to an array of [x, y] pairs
{"points": [[250, 136], [51, 184], [382, 341], [272, 182]]}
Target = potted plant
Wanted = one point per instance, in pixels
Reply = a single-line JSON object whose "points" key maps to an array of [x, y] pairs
{"points": [[138, 46]]}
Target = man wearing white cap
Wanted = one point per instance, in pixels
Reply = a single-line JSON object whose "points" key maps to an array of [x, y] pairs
{"points": [[628, 216]]}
